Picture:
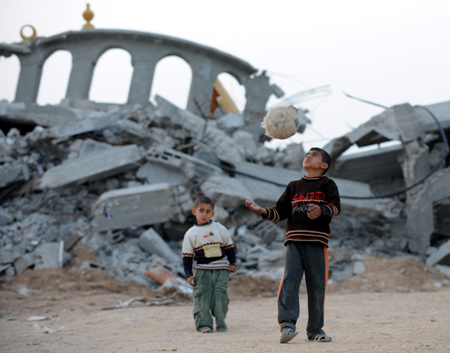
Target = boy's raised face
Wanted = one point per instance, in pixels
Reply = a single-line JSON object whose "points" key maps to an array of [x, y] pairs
{"points": [[203, 213], [313, 162]]}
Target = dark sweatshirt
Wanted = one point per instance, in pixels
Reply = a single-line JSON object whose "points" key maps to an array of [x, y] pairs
{"points": [[294, 205]]}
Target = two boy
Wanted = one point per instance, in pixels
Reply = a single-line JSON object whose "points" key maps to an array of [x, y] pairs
{"points": [[308, 205]]}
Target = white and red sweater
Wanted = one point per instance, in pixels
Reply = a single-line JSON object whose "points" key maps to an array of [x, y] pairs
{"points": [[199, 236]]}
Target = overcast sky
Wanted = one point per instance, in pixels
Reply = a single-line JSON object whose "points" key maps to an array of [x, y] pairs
{"points": [[386, 51]]}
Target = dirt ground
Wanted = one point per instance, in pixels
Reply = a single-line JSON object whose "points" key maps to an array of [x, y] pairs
{"points": [[396, 305]]}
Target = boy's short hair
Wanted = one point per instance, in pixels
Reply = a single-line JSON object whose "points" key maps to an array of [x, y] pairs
{"points": [[325, 157], [203, 200]]}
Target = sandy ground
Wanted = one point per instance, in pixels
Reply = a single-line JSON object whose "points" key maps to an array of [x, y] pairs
{"points": [[369, 322], [380, 311]]}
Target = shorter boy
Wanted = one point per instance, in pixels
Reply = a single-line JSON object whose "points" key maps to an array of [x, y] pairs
{"points": [[210, 245]]}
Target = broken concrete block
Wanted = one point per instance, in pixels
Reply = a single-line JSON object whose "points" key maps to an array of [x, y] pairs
{"points": [[48, 256], [420, 222], [134, 128], [407, 122], [62, 132], [342, 275], [4, 268], [155, 174], [271, 259], [141, 205], [6, 256], [10, 174], [24, 263], [247, 238], [246, 144], [203, 166], [229, 192], [5, 217], [71, 239], [441, 256], [221, 214], [268, 232], [166, 166], [7, 108], [47, 115], [99, 165], [81, 148], [171, 159], [10, 272], [231, 121], [152, 242], [358, 267]]}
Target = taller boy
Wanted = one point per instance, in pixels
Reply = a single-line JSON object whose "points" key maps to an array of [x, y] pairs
{"points": [[308, 204]]}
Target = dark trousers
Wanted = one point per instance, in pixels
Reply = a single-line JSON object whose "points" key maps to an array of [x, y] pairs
{"points": [[311, 259]]}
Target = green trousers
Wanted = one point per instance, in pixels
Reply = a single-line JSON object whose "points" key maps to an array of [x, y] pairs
{"points": [[211, 299]]}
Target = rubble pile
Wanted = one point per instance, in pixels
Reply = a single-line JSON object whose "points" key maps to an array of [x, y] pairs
{"points": [[122, 181]]}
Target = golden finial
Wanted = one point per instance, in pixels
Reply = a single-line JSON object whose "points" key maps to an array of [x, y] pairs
{"points": [[30, 37], [88, 16]]}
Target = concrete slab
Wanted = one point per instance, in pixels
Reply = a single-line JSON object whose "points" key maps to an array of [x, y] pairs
{"points": [[226, 191], [49, 255], [47, 115], [141, 205], [11, 173], [94, 166], [62, 132], [441, 256], [24, 262], [152, 242]]}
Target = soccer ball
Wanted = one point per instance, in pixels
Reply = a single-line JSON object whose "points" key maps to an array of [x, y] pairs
{"points": [[281, 122]]}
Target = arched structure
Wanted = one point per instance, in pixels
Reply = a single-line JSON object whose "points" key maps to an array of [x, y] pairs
{"points": [[146, 49]]}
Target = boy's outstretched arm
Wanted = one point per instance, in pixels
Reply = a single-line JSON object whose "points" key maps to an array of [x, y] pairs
{"points": [[255, 207]]}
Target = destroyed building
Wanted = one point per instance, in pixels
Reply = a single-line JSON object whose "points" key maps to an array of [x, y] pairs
{"points": [[121, 179]]}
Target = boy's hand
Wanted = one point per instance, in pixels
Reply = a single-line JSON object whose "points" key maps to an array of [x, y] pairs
{"points": [[191, 280], [232, 268], [254, 207], [314, 211]]}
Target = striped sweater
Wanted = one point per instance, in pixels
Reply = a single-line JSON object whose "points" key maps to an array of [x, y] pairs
{"points": [[294, 204], [195, 247]]}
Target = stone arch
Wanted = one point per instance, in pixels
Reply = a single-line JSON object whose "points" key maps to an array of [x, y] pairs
{"points": [[112, 76], [146, 50], [55, 77], [9, 73], [172, 80]]}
